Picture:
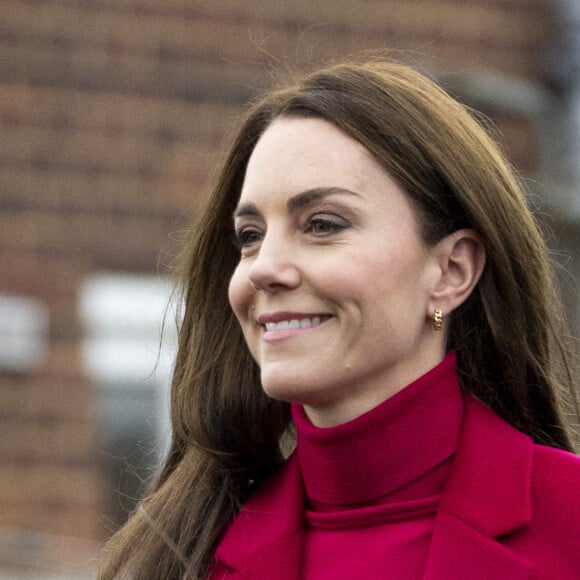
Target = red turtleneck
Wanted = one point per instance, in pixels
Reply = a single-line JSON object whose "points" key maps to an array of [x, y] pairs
{"points": [[373, 484]]}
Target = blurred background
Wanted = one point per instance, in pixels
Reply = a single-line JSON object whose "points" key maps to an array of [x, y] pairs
{"points": [[113, 115]]}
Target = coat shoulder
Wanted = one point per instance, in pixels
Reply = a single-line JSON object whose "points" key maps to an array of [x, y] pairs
{"points": [[555, 484]]}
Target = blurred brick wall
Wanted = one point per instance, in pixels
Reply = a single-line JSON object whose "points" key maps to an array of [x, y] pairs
{"points": [[111, 115]]}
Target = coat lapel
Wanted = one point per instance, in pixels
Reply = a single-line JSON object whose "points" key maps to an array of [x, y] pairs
{"points": [[459, 551], [265, 540], [280, 560], [488, 496]]}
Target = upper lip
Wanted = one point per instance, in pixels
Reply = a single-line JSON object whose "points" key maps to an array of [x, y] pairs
{"points": [[281, 316]]}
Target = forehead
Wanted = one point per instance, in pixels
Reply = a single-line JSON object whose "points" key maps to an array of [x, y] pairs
{"points": [[297, 154]]}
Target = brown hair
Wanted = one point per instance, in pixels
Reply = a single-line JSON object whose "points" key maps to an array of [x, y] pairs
{"points": [[507, 335]]}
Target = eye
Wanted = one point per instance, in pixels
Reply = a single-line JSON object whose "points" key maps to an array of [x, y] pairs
{"points": [[246, 237], [326, 225]]}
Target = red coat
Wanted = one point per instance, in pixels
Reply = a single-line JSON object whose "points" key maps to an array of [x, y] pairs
{"points": [[511, 510]]}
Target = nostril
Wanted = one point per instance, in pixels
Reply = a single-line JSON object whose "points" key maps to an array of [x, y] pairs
{"points": [[273, 275]]}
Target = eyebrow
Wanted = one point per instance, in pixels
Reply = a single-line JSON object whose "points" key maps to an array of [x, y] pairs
{"points": [[299, 201]]}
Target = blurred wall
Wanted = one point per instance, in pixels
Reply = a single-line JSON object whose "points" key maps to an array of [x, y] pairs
{"points": [[112, 113]]}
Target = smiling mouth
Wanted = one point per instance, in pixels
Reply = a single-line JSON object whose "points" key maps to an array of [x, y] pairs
{"points": [[295, 323]]}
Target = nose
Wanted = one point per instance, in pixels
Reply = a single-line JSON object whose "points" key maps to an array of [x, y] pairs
{"points": [[275, 266]]}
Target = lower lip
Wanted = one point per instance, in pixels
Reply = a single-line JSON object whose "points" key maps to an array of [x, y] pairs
{"points": [[277, 335]]}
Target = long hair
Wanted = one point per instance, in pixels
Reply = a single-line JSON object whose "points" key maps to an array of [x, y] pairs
{"points": [[507, 335]]}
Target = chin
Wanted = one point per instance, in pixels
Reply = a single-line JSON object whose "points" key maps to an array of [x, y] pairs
{"points": [[284, 392], [288, 388]]}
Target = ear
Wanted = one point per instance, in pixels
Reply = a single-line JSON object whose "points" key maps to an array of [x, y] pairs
{"points": [[461, 260]]}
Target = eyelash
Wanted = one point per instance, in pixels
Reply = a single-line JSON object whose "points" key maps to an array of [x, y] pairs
{"points": [[247, 236], [332, 226], [240, 238]]}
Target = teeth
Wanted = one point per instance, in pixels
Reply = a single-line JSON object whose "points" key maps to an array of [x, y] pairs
{"points": [[293, 323]]}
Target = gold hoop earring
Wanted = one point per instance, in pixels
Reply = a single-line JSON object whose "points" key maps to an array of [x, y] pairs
{"points": [[437, 319]]}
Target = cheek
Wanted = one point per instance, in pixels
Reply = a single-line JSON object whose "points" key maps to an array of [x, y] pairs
{"points": [[391, 281], [239, 293]]}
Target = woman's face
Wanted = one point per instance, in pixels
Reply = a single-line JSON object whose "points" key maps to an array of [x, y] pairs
{"points": [[333, 286]]}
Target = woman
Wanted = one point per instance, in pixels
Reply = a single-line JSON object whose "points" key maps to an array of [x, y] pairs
{"points": [[389, 295]]}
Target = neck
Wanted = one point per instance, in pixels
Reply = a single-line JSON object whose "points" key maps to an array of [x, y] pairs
{"points": [[352, 402]]}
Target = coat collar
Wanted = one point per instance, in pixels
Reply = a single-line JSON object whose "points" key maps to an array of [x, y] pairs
{"points": [[488, 495]]}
